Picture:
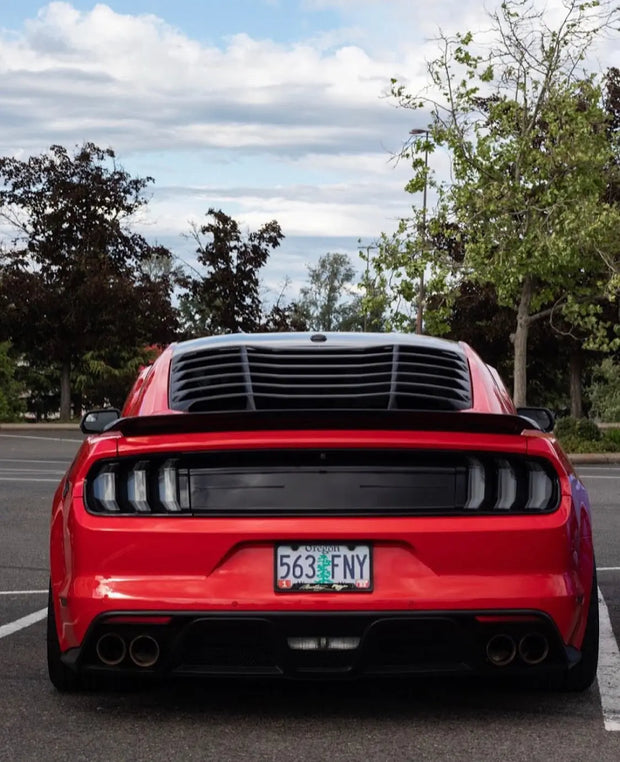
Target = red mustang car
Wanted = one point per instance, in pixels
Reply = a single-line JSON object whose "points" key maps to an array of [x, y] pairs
{"points": [[321, 505]]}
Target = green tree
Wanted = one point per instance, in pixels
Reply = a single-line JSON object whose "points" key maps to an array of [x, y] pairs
{"points": [[11, 390], [105, 377], [323, 301], [222, 295], [604, 391], [70, 279], [530, 156]]}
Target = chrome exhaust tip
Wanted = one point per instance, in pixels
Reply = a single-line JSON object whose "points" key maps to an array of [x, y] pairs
{"points": [[533, 648], [144, 651], [111, 649], [501, 650]]}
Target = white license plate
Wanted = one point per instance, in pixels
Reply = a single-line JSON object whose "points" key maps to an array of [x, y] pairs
{"points": [[323, 567]]}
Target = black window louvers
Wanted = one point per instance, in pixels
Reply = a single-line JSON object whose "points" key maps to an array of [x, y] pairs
{"points": [[377, 377]]}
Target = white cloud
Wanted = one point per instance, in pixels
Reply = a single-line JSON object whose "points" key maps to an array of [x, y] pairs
{"points": [[296, 131]]}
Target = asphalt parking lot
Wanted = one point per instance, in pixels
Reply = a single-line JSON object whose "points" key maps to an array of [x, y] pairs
{"points": [[392, 720]]}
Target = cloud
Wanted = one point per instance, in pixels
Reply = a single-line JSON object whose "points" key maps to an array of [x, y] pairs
{"points": [[295, 130], [145, 77]]}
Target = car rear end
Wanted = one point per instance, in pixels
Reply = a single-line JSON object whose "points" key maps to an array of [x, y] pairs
{"points": [[326, 530]]}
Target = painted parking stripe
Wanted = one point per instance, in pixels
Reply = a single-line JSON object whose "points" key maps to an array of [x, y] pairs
{"points": [[608, 676], [34, 460], [18, 479], [45, 439], [608, 669], [20, 624], [23, 592]]}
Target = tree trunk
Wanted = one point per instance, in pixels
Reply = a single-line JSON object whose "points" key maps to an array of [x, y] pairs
{"points": [[575, 369], [520, 345], [65, 392]]}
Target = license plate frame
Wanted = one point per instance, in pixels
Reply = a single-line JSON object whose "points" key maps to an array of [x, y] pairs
{"points": [[332, 573]]}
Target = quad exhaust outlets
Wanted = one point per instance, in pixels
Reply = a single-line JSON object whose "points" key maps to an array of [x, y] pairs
{"points": [[502, 649], [112, 649]]}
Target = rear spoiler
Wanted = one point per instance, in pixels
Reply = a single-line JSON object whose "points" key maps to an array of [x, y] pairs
{"points": [[358, 420]]}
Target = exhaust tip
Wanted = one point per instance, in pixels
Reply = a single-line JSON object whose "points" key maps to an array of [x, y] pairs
{"points": [[533, 648], [501, 650], [144, 651], [111, 649]]}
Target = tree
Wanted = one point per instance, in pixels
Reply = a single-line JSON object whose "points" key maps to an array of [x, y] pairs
{"points": [[322, 300], [11, 391], [527, 138], [225, 298], [391, 285], [105, 377], [70, 280]]}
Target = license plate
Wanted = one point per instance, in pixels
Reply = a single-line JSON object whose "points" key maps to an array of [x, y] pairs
{"points": [[323, 567]]}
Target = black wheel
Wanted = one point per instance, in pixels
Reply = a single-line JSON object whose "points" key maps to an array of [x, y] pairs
{"points": [[582, 675], [63, 678]]}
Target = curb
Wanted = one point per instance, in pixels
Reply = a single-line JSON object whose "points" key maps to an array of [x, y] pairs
{"points": [[594, 457]]}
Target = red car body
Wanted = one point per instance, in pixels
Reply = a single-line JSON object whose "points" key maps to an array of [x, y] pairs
{"points": [[407, 450]]}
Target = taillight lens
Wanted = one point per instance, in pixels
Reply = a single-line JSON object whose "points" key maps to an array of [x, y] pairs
{"points": [[142, 487], [511, 484], [351, 482]]}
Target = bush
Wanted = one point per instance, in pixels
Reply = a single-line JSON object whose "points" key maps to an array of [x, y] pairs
{"points": [[11, 404], [604, 392], [583, 435], [613, 436], [573, 444], [582, 428]]}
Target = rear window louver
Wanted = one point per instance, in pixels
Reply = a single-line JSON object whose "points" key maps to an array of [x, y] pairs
{"points": [[388, 377]]}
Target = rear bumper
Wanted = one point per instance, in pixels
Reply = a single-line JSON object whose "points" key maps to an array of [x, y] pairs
{"points": [[322, 645]]}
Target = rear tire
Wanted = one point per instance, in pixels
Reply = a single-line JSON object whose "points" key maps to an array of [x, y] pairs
{"points": [[63, 678], [582, 675]]}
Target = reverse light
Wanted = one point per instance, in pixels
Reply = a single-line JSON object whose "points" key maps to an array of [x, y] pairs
{"points": [[104, 489], [475, 484], [507, 486], [540, 487], [168, 489], [137, 489]]}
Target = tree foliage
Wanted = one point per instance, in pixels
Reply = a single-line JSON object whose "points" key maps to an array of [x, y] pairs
{"points": [[71, 280], [11, 390], [223, 294], [605, 391], [323, 300], [531, 156], [104, 377]]}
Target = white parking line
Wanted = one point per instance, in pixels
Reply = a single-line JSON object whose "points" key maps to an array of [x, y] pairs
{"points": [[20, 624], [608, 676], [608, 669], [38, 460], [46, 439], [17, 479]]}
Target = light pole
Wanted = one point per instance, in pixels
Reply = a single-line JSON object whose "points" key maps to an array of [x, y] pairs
{"points": [[368, 248], [420, 307]]}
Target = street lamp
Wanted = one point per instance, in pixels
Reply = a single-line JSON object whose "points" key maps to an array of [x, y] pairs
{"points": [[420, 309]]}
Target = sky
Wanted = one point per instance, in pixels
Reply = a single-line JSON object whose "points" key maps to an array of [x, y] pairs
{"points": [[266, 109]]}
